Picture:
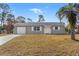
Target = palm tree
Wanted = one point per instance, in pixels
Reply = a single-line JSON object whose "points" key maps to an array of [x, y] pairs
{"points": [[69, 11], [41, 18], [29, 20], [68, 28], [4, 8], [20, 19]]}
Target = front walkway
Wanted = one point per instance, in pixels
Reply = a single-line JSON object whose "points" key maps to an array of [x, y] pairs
{"points": [[4, 39]]}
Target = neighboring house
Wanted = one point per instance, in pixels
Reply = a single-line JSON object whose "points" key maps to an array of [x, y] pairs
{"points": [[39, 28]]}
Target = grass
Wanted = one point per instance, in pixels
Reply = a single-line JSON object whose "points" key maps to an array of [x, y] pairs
{"points": [[41, 45]]}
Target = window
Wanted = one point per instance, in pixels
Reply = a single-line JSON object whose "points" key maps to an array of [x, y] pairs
{"points": [[56, 28], [36, 28]]}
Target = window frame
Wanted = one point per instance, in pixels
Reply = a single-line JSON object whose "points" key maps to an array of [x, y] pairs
{"points": [[58, 28], [35, 28]]}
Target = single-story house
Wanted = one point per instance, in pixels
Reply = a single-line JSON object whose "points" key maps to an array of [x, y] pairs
{"points": [[39, 28]]}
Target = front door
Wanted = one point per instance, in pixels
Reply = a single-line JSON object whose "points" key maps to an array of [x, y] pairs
{"points": [[47, 30]]}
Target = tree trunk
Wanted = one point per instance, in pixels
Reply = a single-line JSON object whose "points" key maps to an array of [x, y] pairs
{"points": [[1, 23], [78, 29], [73, 34]]}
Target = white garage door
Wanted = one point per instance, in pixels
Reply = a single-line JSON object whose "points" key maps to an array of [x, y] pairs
{"points": [[21, 30]]}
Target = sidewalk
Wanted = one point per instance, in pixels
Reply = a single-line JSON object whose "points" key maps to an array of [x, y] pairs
{"points": [[4, 39]]}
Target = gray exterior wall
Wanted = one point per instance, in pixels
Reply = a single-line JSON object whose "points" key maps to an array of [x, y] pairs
{"points": [[61, 31], [29, 30], [30, 25]]}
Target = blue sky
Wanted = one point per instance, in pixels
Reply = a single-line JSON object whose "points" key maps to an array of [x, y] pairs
{"points": [[32, 10]]}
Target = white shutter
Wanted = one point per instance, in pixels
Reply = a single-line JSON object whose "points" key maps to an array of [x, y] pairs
{"points": [[32, 28], [58, 27], [40, 28], [54, 28]]}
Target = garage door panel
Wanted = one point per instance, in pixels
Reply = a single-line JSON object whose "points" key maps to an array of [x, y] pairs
{"points": [[21, 30]]}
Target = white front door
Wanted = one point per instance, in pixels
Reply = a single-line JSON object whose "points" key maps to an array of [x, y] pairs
{"points": [[47, 30], [21, 30]]}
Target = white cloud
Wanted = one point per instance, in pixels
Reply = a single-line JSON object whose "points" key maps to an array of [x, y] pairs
{"points": [[37, 11]]}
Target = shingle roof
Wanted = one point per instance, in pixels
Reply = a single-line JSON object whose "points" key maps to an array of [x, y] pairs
{"points": [[38, 23]]}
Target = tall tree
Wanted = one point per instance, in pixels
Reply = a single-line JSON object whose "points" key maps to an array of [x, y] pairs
{"points": [[20, 19], [10, 23], [4, 8], [10, 17], [41, 18], [69, 11]]}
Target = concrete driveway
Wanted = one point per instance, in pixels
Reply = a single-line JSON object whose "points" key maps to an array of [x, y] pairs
{"points": [[4, 39]]}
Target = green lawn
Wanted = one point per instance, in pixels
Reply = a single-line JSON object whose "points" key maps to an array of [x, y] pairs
{"points": [[43, 45]]}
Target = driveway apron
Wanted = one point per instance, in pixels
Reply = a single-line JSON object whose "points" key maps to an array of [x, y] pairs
{"points": [[5, 39]]}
